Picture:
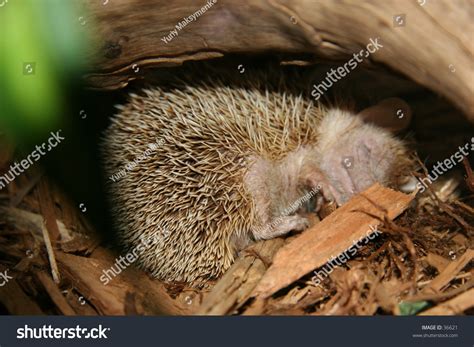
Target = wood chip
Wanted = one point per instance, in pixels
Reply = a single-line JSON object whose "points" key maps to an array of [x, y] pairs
{"points": [[437, 261], [449, 273], [113, 299], [55, 294], [455, 306], [436, 297], [235, 287], [332, 236]]}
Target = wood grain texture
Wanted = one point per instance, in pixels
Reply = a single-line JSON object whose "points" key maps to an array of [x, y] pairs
{"points": [[150, 297], [433, 48]]}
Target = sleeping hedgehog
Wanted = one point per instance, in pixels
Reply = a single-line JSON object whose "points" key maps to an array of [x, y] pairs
{"points": [[224, 163]]}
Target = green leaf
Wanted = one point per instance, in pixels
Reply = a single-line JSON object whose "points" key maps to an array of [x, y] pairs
{"points": [[411, 308]]}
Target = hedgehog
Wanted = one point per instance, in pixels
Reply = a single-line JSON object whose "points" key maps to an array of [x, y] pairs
{"points": [[207, 169]]}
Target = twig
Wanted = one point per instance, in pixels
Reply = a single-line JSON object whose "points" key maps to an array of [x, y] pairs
{"points": [[454, 306], [449, 272], [51, 257], [55, 294], [440, 296]]}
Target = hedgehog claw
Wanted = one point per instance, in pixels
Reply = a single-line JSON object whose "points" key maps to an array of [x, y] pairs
{"points": [[319, 202], [326, 192]]}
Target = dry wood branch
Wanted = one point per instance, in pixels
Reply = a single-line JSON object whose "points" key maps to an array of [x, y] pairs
{"points": [[51, 255], [33, 222], [234, 288], [131, 32], [49, 228], [441, 296], [151, 297], [332, 236], [449, 272], [454, 306], [15, 299], [437, 261], [55, 294]]}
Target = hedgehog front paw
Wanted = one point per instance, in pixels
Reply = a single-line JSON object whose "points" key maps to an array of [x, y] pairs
{"points": [[320, 184], [280, 226]]}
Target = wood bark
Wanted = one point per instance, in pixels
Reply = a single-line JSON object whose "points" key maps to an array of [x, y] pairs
{"points": [[149, 297], [15, 300], [130, 292], [433, 46], [235, 287]]}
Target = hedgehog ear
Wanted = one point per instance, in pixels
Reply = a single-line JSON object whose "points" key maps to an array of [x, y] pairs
{"points": [[393, 114]]}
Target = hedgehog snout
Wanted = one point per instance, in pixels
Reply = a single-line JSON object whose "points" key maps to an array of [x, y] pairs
{"points": [[357, 157]]}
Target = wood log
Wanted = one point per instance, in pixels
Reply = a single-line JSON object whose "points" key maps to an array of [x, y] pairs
{"points": [[430, 43], [149, 297]]}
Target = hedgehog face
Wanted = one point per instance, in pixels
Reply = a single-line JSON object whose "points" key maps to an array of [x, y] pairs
{"points": [[349, 157], [353, 155]]}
